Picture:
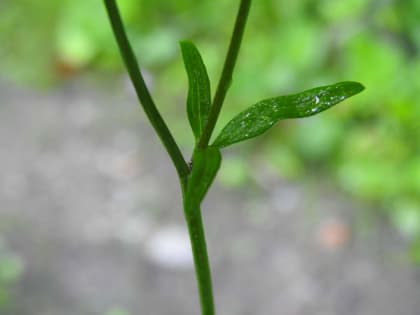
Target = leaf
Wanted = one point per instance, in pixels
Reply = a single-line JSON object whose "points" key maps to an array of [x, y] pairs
{"points": [[199, 98], [261, 116], [206, 163]]}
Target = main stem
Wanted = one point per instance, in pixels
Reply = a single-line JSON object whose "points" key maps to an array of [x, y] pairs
{"points": [[226, 77], [201, 260], [142, 91], [192, 212]]}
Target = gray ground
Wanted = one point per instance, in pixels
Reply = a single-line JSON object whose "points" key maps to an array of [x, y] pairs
{"points": [[90, 203]]}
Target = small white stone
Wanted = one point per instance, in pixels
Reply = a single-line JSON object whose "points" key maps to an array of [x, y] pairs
{"points": [[170, 248]]}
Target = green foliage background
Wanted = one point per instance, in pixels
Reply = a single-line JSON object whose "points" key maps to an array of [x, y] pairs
{"points": [[370, 145], [11, 269]]}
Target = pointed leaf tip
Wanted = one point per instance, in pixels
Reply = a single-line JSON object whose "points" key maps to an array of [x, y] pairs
{"points": [[258, 118], [199, 98]]}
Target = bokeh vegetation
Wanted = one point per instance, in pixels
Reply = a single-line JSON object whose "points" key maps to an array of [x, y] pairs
{"points": [[11, 268], [369, 146]]}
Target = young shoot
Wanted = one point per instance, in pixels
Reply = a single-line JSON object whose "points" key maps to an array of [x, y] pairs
{"points": [[203, 112]]}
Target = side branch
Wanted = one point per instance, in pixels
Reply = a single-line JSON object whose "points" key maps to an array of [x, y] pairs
{"points": [[142, 91], [226, 77]]}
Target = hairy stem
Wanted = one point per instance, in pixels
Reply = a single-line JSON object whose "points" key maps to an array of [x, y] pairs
{"points": [[142, 91], [226, 77]]}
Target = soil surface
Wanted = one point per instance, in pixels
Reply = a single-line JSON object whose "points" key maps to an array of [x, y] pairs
{"points": [[90, 203]]}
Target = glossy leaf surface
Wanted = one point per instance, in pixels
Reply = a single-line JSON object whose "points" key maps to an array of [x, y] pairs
{"points": [[206, 163], [261, 116], [199, 98]]}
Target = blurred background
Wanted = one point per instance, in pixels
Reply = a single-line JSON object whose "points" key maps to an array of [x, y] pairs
{"points": [[317, 216]]}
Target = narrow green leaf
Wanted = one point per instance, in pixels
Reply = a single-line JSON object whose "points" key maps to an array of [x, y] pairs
{"points": [[199, 97], [206, 163], [261, 116]]}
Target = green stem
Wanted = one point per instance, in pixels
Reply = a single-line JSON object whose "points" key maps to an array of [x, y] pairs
{"points": [[142, 91], [201, 260], [226, 77]]}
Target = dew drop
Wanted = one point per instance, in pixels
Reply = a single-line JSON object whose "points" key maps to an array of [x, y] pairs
{"points": [[316, 99]]}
